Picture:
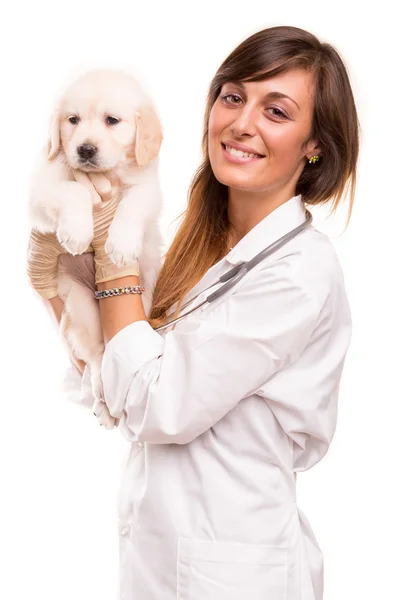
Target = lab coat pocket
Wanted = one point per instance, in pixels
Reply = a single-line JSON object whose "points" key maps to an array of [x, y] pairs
{"points": [[210, 570]]}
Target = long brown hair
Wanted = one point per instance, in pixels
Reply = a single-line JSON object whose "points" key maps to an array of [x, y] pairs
{"points": [[201, 240]]}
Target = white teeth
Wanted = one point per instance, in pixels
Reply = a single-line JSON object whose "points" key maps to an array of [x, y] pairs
{"points": [[235, 152]]}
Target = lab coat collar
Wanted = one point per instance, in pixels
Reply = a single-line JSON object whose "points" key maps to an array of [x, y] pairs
{"points": [[280, 221]]}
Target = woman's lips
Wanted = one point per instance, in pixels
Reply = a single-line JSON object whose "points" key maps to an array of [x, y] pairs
{"points": [[234, 158]]}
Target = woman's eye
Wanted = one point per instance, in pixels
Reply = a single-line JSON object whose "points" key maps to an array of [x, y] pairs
{"points": [[73, 120], [231, 98], [278, 112], [112, 120], [235, 99]]}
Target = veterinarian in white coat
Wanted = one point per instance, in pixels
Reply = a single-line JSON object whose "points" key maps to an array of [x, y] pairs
{"points": [[223, 410]]}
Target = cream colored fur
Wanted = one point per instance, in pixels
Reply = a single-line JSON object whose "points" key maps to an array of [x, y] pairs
{"points": [[127, 156]]}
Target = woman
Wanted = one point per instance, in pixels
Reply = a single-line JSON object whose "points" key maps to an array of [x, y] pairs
{"points": [[224, 407]]}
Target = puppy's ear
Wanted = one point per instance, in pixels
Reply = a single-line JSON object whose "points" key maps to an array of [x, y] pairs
{"points": [[53, 145], [148, 135]]}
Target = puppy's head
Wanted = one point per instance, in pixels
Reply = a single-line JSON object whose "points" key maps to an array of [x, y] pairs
{"points": [[104, 120]]}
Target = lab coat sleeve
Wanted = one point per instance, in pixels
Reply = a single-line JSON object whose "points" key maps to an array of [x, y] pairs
{"points": [[172, 389], [304, 400]]}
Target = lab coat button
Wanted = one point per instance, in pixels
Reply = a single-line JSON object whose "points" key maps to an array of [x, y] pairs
{"points": [[125, 530], [140, 445]]}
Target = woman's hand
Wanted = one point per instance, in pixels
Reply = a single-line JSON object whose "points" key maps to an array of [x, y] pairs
{"points": [[104, 211], [44, 250], [116, 312], [105, 269]]}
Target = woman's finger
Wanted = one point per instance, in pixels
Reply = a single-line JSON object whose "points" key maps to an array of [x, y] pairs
{"points": [[82, 178], [102, 185]]}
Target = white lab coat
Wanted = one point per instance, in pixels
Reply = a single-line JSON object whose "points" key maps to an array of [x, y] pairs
{"points": [[221, 413]]}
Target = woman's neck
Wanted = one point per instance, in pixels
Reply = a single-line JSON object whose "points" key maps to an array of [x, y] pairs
{"points": [[246, 209]]}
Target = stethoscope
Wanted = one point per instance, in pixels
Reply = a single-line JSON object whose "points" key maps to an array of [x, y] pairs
{"points": [[234, 275]]}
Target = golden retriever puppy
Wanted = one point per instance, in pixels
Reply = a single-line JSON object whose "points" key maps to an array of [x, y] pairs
{"points": [[102, 124]]}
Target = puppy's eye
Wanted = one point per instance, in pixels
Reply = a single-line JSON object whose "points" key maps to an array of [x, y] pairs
{"points": [[112, 120], [74, 120]]}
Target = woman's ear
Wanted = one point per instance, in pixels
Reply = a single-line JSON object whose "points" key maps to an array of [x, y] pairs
{"points": [[53, 144], [312, 149], [148, 135]]}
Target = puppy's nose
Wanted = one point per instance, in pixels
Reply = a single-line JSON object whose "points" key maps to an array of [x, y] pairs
{"points": [[87, 151]]}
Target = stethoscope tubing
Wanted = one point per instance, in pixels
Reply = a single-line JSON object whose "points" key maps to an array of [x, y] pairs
{"points": [[231, 277]]}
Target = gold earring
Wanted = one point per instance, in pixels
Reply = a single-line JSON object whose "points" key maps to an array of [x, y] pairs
{"points": [[314, 159]]}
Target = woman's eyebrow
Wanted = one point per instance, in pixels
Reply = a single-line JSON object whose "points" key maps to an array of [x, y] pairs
{"points": [[281, 95], [274, 94]]}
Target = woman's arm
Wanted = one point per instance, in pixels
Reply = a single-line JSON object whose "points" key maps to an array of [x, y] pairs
{"points": [[115, 313], [171, 389], [119, 311]]}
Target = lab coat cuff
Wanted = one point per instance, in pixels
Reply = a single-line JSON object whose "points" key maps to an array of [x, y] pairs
{"points": [[129, 349]]}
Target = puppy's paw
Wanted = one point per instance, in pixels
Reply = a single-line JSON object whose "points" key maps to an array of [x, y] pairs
{"points": [[103, 416], [75, 230], [75, 225], [123, 247]]}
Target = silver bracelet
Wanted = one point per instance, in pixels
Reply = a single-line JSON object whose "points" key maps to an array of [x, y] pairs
{"points": [[131, 289]]}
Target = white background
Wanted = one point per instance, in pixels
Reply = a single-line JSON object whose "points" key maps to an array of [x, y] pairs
{"points": [[59, 470]]}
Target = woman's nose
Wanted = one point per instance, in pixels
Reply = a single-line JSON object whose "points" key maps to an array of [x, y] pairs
{"points": [[245, 122]]}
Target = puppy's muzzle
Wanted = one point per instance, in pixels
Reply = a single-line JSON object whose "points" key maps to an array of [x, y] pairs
{"points": [[87, 151]]}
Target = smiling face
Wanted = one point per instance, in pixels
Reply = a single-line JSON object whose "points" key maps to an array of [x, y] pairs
{"points": [[258, 132]]}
